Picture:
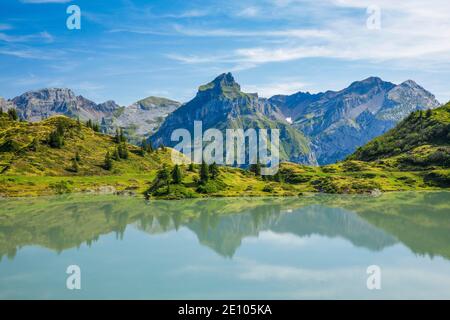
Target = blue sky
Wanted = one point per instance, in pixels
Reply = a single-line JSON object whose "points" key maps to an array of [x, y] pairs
{"points": [[129, 49]]}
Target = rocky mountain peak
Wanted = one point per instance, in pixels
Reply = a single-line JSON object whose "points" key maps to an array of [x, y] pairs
{"points": [[47, 94], [369, 84], [223, 85]]}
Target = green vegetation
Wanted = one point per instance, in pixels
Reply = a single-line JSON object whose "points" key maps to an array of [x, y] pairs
{"points": [[58, 155], [12, 114], [421, 141]]}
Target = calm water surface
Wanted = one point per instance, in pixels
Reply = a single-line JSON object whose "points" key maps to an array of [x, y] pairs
{"points": [[316, 247]]}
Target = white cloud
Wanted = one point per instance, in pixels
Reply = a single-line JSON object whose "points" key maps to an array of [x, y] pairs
{"points": [[278, 239], [412, 33]]}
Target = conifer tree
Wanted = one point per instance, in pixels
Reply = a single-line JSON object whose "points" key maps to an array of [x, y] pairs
{"points": [[177, 175], [204, 173], [214, 170], [108, 162], [75, 166], [164, 176], [12, 113], [116, 155]]}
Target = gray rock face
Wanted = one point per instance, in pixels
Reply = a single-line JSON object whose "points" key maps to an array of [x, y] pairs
{"points": [[41, 104], [340, 122], [222, 105], [144, 116], [5, 104]]}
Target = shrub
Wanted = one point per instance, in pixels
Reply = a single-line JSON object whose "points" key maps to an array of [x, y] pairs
{"points": [[268, 188], [61, 187], [9, 146]]}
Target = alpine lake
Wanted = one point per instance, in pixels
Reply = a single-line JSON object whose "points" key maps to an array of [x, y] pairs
{"points": [[310, 247]]}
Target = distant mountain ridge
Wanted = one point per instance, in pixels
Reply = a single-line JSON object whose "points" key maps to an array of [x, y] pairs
{"points": [[338, 122], [143, 117], [41, 104], [138, 120]]}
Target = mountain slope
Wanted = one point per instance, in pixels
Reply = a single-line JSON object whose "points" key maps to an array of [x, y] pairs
{"points": [[142, 118], [25, 150], [222, 105], [421, 140], [339, 122]]}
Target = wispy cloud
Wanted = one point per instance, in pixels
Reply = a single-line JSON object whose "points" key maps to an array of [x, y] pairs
{"points": [[195, 13], [291, 33], [42, 36], [26, 54], [411, 32], [4, 26]]}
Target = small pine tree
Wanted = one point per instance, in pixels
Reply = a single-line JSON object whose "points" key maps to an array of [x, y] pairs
{"points": [[122, 136], [96, 127], [191, 167], [256, 169], [116, 155], [34, 144], [214, 170], [12, 113], [117, 136], [108, 162], [89, 124], [60, 128], [55, 140], [149, 147], [420, 114], [1, 110], [75, 166], [177, 174], [204, 173], [144, 146], [164, 176], [78, 124], [429, 113], [123, 151]]}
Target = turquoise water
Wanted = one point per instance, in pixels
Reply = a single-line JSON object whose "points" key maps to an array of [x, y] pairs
{"points": [[315, 247]]}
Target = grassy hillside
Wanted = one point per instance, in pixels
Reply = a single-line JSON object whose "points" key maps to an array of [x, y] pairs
{"points": [[421, 140], [31, 165], [25, 150]]}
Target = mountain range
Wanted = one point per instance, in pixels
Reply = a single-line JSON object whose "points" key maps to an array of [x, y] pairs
{"points": [[337, 122], [138, 120], [319, 128]]}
